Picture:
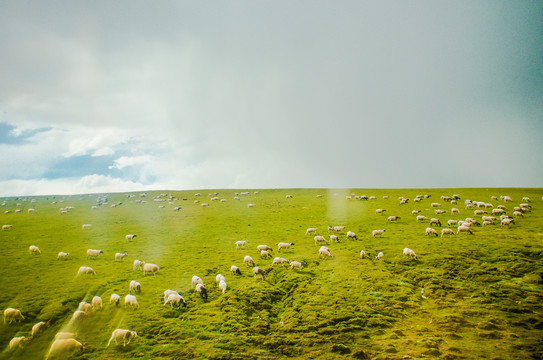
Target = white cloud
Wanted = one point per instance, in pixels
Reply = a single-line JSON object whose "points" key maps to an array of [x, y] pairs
{"points": [[126, 161]]}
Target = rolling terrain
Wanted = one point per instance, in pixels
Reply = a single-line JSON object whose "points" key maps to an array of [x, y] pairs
{"points": [[466, 296]]}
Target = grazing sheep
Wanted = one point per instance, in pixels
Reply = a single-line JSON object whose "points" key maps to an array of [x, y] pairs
{"points": [[380, 211], [415, 212], [78, 316], [153, 268], [339, 228], [114, 299], [526, 199], [439, 212], [12, 315], [259, 248], [195, 281], [64, 348], [422, 218], [135, 286], [393, 218], [7, 227], [91, 253], [235, 270], [62, 255], [18, 342], [122, 334], [120, 256], [507, 222], [431, 232], [138, 265], [131, 301], [507, 198], [407, 252], [130, 237], [175, 299], [96, 303], [452, 222], [311, 230], [86, 270], [258, 271], [219, 277], [65, 335], [324, 251], [85, 307], [201, 289], [86, 226], [283, 245], [434, 221], [455, 211], [334, 238], [447, 231], [241, 243], [498, 211], [289, 196], [377, 232], [247, 260], [34, 249], [264, 254], [251, 205], [319, 239], [38, 328], [479, 212], [362, 254], [486, 223], [435, 205], [222, 286], [380, 256], [463, 228], [351, 235], [295, 264], [280, 260], [517, 213]]}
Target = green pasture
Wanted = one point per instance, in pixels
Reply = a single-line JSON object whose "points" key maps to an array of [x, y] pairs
{"points": [[474, 296]]}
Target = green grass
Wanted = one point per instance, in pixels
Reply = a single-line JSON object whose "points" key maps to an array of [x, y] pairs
{"points": [[482, 293]]}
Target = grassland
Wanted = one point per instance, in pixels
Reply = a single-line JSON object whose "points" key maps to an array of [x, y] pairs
{"points": [[466, 297]]}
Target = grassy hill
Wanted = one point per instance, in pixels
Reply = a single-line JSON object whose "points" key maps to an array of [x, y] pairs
{"points": [[466, 296]]}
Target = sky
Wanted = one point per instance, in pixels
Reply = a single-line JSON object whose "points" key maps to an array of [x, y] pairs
{"points": [[119, 96]]}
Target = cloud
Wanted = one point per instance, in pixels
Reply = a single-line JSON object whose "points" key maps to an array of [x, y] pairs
{"points": [[125, 161]]}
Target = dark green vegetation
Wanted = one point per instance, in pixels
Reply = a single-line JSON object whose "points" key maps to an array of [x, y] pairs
{"points": [[482, 294]]}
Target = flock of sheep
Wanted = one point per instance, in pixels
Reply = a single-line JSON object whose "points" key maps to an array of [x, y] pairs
{"points": [[65, 343]]}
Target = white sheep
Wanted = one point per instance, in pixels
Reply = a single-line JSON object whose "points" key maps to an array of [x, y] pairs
{"points": [[130, 237], [351, 235], [85, 307], [334, 238], [131, 301], [431, 232], [138, 264], [435, 205], [96, 303], [65, 335], [167, 294], [12, 315], [222, 286], [153, 268], [265, 254], [122, 335], [86, 226], [195, 281], [380, 256], [283, 245], [362, 254], [498, 211], [64, 348], [464, 228], [280, 260], [415, 212], [452, 222], [7, 227], [38, 328], [324, 251], [258, 271], [247, 260], [86, 270], [380, 211], [120, 256], [439, 211], [78, 316], [201, 289], [134, 286], [455, 211], [241, 243], [434, 221], [339, 228], [517, 213], [259, 248], [393, 218], [93, 254], [447, 232], [62, 255], [235, 270], [507, 222], [319, 239], [422, 218], [311, 231], [18, 342], [251, 205], [114, 299], [175, 299], [407, 252], [296, 264], [34, 249], [487, 223], [374, 233]]}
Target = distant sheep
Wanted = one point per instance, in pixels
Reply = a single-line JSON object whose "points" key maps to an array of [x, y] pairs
{"points": [[12, 315], [97, 303], [283, 245], [380, 211], [131, 301], [148, 267], [259, 248], [393, 218], [62, 255], [7, 227], [447, 232], [34, 250], [18, 342], [64, 348], [114, 299], [86, 270], [334, 238], [422, 218], [247, 260], [362, 254], [324, 251], [463, 228], [241, 244], [280, 260], [195, 281], [86, 226], [431, 232], [85, 307], [265, 254], [93, 254], [134, 286], [78, 316], [258, 271], [38, 328], [434, 221], [380, 256], [138, 265], [122, 335], [452, 222], [235, 270], [201, 289], [120, 256], [507, 222], [296, 264], [222, 286], [130, 237], [311, 231], [251, 205], [175, 299], [351, 235], [374, 233], [319, 239], [407, 252]]}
